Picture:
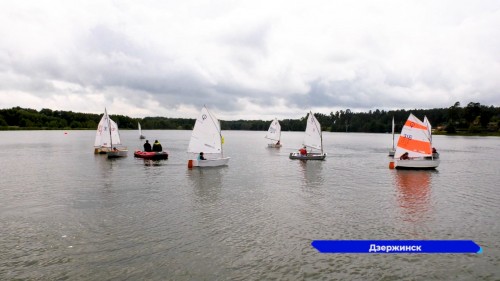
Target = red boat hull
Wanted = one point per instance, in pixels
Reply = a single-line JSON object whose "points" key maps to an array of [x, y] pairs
{"points": [[151, 155]]}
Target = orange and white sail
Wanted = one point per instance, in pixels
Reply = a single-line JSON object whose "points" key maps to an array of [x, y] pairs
{"points": [[414, 139]]}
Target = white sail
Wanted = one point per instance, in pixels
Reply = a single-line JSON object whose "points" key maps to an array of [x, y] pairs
{"points": [[414, 139], [115, 134], [274, 132], [141, 136], [103, 136], [206, 136], [107, 138], [429, 129], [313, 138]]}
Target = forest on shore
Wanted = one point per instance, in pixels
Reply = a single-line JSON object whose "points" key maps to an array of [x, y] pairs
{"points": [[473, 118]]}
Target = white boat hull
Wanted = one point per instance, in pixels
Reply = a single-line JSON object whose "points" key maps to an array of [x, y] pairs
{"points": [[209, 162], [420, 163], [309, 156], [273, 145], [117, 153]]}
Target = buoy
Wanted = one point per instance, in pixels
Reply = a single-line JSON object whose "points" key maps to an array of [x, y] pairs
{"points": [[190, 164], [391, 165]]}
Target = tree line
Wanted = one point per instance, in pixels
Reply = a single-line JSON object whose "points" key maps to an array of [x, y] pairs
{"points": [[473, 118]]}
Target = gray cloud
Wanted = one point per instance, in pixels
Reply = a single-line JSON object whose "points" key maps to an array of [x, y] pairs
{"points": [[236, 60]]}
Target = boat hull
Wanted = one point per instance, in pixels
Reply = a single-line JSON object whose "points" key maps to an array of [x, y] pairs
{"points": [[417, 164], [101, 150], [117, 153], [142, 137], [273, 145], [309, 156], [209, 162], [151, 155]]}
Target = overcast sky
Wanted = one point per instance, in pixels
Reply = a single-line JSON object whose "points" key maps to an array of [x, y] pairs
{"points": [[248, 59]]}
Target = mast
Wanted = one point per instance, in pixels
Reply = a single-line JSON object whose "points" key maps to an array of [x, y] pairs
{"points": [[109, 128], [321, 137], [220, 140], [279, 137], [429, 132], [218, 129], [393, 133]]}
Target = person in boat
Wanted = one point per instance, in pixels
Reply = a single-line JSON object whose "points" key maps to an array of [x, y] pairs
{"points": [[303, 151], [278, 143], [434, 150], [157, 146], [404, 156], [147, 146], [115, 149], [201, 157]]}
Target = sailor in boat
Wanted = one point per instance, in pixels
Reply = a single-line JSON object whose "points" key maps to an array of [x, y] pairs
{"points": [[157, 146], [303, 151], [278, 143], [147, 146], [404, 156], [201, 157], [434, 154]]}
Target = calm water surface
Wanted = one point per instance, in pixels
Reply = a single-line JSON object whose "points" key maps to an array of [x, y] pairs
{"points": [[66, 213]]}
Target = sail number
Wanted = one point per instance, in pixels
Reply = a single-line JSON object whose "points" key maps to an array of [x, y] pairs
{"points": [[406, 138]]}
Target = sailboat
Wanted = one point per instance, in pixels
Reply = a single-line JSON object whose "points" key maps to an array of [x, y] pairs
{"points": [[415, 141], [313, 140], [102, 143], [141, 136], [107, 138], [207, 138], [435, 154], [274, 133], [393, 149]]}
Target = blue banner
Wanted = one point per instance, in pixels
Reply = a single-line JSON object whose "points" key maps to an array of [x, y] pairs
{"points": [[397, 246]]}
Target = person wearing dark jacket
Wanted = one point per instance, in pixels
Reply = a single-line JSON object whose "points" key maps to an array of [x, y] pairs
{"points": [[157, 146], [147, 146], [201, 157]]}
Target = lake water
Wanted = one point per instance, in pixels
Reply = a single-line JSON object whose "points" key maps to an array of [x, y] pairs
{"points": [[66, 213]]}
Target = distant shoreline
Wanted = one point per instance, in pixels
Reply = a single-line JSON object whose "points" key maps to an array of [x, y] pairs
{"points": [[473, 120], [439, 133]]}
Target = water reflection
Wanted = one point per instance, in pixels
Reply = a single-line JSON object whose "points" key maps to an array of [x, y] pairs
{"points": [[105, 169], [311, 172], [151, 162], [206, 183], [103, 164], [414, 193]]}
